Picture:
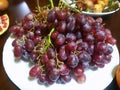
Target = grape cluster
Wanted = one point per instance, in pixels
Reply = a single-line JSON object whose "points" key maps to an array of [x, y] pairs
{"points": [[63, 46]]}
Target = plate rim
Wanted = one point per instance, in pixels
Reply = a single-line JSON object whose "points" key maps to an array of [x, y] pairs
{"points": [[98, 14]]}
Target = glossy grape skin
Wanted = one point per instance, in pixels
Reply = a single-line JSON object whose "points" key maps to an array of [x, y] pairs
{"points": [[61, 27], [15, 42], [100, 35], [42, 79], [81, 78], [35, 71], [66, 44], [29, 45], [54, 74], [17, 51], [17, 31], [28, 25], [60, 39], [87, 28], [79, 70], [51, 53], [101, 47], [51, 16], [72, 61], [70, 23], [44, 58], [33, 56], [64, 69], [84, 57], [29, 16], [61, 14], [65, 78], [72, 46], [51, 64], [62, 53], [70, 37], [54, 35], [80, 19]]}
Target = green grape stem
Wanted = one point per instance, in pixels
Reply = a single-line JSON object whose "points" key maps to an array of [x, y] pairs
{"points": [[51, 3], [48, 40]]}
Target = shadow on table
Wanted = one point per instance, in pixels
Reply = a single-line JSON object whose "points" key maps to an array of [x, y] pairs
{"points": [[112, 86]]}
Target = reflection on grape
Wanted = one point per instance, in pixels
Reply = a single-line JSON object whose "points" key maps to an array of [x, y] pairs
{"points": [[62, 45]]}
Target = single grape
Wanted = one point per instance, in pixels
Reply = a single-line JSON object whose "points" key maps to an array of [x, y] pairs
{"points": [[90, 19], [111, 40], [65, 78], [109, 50], [83, 56], [28, 25], [26, 55], [62, 55], [61, 14], [100, 35], [72, 46], [51, 64], [54, 74], [51, 16], [18, 51], [98, 59], [101, 47], [80, 19], [79, 70], [33, 56], [60, 39], [61, 27], [44, 58], [70, 37], [72, 61], [81, 78], [35, 71], [107, 59], [64, 69], [30, 35], [37, 39], [29, 45], [89, 38], [42, 79], [29, 17], [15, 42], [48, 81], [51, 53], [70, 23], [54, 35], [82, 45], [87, 28], [99, 20]]}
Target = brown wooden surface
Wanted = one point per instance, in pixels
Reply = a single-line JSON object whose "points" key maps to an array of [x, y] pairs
{"points": [[16, 11]]}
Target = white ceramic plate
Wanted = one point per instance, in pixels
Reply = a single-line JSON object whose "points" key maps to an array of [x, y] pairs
{"points": [[94, 14], [18, 72]]}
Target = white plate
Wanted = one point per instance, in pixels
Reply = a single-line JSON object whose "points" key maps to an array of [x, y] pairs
{"points": [[18, 72], [93, 14]]}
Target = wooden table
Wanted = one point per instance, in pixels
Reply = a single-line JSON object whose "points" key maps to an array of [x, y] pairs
{"points": [[16, 11]]}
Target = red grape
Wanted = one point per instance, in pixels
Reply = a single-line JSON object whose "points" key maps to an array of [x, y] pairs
{"points": [[35, 71], [61, 43]]}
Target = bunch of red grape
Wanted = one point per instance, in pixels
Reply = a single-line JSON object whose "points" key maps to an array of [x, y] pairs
{"points": [[63, 46]]}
